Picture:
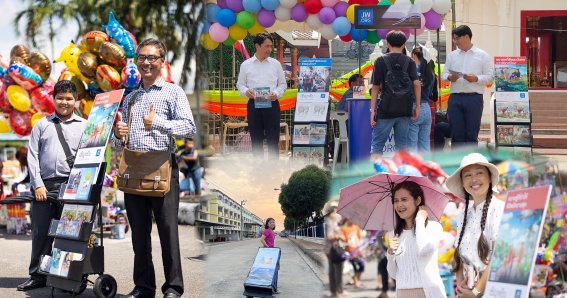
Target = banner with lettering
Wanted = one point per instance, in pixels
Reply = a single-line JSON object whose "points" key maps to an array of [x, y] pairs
{"points": [[515, 251]]}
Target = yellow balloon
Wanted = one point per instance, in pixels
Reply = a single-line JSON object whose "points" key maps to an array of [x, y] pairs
{"points": [[350, 13], [19, 98], [36, 117], [208, 43], [87, 105], [237, 33], [256, 29], [447, 256], [4, 125], [70, 56]]}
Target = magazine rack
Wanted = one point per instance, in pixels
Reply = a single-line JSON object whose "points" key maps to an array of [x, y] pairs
{"points": [[92, 260], [262, 278]]}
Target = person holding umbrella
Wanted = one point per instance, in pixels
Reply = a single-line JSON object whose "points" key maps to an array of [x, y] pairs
{"points": [[477, 226], [412, 249]]}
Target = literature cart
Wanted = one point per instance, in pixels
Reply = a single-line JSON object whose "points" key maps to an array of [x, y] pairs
{"points": [[310, 122], [75, 255], [262, 278]]}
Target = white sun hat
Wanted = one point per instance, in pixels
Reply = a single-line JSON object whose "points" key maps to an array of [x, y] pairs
{"points": [[455, 184]]}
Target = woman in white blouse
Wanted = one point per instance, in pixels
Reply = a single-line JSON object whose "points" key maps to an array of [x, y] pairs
{"points": [[477, 226], [412, 249]]}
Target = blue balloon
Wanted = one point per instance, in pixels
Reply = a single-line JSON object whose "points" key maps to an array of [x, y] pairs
{"points": [[407, 169], [211, 12], [252, 6], [226, 17], [358, 34], [380, 167], [270, 4], [341, 26], [203, 27]]}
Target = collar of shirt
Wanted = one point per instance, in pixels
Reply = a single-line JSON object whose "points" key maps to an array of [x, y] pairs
{"points": [[255, 59], [473, 50], [74, 117]]}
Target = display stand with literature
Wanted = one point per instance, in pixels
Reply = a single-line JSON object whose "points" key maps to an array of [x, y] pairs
{"points": [[309, 141], [262, 278], [75, 254], [512, 115]]}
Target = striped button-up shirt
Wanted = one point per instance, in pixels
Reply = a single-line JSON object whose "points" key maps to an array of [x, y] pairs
{"points": [[173, 117]]}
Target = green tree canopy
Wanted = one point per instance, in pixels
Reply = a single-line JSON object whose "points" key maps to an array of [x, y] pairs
{"points": [[174, 22], [306, 192]]}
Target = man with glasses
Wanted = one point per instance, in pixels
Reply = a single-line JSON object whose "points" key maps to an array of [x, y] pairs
{"points": [[160, 112], [262, 72], [469, 69]]}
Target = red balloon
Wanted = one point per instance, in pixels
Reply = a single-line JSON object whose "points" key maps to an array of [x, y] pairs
{"points": [[166, 72], [21, 122], [4, 103], [313, 6], [351, 2], [346, 38], [42, 101], [368, 2]]}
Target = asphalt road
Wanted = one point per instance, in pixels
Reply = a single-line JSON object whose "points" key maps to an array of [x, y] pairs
{"points": [[228, 265], [119, 257]]}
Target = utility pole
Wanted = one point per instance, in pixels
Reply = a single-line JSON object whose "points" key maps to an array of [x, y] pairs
{"points": [[241, 218]]}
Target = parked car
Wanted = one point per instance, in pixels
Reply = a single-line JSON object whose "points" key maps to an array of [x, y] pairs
{"points": [[283, 234]]}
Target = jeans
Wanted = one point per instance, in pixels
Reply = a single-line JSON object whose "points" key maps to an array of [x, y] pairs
{"points": [[381, 132], [357, 265], [420, 130]]}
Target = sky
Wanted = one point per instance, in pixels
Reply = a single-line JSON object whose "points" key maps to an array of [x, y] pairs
{"points": [[8, 39]]}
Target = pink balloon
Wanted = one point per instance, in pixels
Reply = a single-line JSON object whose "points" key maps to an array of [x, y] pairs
{"points": [[218, 32], [329, 3], [433, 20], [298, 13], [266, 18], [340, 9], [419, 31]]}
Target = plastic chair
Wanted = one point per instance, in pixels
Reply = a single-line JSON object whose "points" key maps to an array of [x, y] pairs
{"points": [[342, 139]]}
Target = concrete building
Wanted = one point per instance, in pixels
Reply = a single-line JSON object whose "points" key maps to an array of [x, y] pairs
{"points": [[220, 219]]}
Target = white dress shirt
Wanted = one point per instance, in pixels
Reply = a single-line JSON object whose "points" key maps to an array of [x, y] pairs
{"points": [[469, 243], [474, 61], [414, 266], [256, 74]]}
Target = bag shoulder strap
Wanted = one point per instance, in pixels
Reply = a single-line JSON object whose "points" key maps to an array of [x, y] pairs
{"points": [[388, 62], [130, 104], [64, 144], [406, 64]]}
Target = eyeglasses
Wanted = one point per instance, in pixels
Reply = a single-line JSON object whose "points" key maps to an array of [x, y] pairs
{"points": [[150, 58]]}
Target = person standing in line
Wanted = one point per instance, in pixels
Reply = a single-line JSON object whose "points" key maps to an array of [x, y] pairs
{"points": [[49, 167], [477, 225], [259, 72], [469, 69], [420, 129], [354, 80], [160, 112], [412, 249], [403, 74], [333, 236], [268, 239], [353, 237]]}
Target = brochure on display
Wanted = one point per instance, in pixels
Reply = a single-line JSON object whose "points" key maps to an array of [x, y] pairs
{"points": [[59, 262], [311, 107], [513, 111], [516, 248], [309, 134], [80, 181], [513, 135], [72, 218], [309, 154], [314, 75], [511, 74]]}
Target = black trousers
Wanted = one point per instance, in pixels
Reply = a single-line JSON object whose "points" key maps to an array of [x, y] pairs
{"points": [[264, 122], [41, 215], [164, 210]]}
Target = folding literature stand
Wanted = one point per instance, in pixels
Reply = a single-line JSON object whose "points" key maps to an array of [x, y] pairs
{"points": [[92, 260], [260, 280]]}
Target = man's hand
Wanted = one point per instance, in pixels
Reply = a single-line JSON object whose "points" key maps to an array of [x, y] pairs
{"points": [[372, 121], [149, 118], [471, 78], [453, 77], [41, 194], [273, 96], [250, 93], [120, 128]]}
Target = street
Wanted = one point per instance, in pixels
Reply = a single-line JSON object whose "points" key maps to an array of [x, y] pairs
{"points": [[119, 257], [228, 265]]}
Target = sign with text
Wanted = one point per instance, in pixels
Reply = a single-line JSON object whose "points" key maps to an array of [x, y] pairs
{"points": [[401, 15], [515, 251]]}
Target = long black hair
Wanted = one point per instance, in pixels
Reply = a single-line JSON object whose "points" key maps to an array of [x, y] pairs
{"points": [[266, 225], [416, 192], [482, 244], [428, 68]]}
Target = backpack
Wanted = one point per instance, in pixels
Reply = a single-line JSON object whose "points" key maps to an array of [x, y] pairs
{"points": [[398, 95]]}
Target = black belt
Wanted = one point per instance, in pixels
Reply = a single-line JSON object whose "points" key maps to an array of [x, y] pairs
{"points": [[467, 94]]}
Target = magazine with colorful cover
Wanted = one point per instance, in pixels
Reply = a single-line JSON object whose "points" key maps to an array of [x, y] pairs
{"points": [[317, 134], [301, 134], [262, 98], [66, 263], [515, 250], [301, 153], [314, 75], [80, 181], [511, 74], [317, 155], [57, 256], [98, 129], [68, 215]]}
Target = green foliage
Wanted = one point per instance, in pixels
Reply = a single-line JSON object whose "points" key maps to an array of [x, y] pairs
{"points": [[214, 58], [290, 224], [306, 192], [174, 22]]}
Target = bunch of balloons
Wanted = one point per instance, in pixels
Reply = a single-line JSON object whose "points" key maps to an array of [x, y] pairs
{"points": [[230, 20], [25, 90], [101, 62]]}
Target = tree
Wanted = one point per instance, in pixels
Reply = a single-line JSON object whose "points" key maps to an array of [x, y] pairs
{"points": [[290, 223], [174, 22], [305, 193]]}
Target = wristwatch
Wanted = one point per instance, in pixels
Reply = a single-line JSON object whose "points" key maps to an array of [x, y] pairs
{"points": [[476, 293]]}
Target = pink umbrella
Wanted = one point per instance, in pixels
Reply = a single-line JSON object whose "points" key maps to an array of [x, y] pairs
{"points": [[368, 203]]}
